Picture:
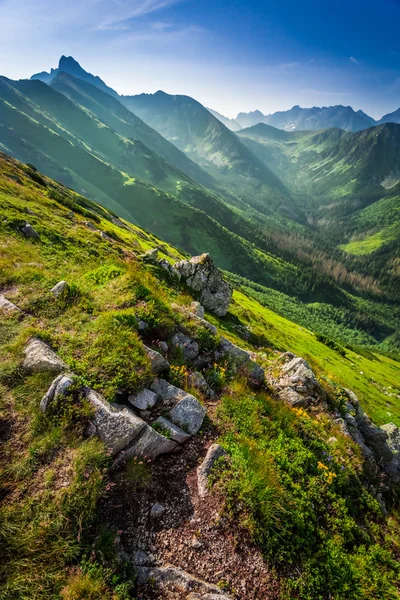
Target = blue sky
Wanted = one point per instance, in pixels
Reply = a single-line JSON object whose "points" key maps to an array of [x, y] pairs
{"points": [[231, 55]]}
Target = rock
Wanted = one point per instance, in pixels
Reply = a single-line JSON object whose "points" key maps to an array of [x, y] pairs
{"points": [[298, 370], [30, 232], [149, 444], [177, 434], [167, 391], [90, 225], [199, 320], [203, 277], [144, 400], [106, 237], [243, 358], [117, 428], [188, 414], [215, 452], [163, 347], [189, 347], [151, 256], [173, 578], [59, 288], [59, 387], [8, 307], [40, 357], [196, 543], [197, 381], [293, 398], [157, 511], [142, 559], [195, 596], [393, 436], [197, 309], [142, 325], [157, 361]]}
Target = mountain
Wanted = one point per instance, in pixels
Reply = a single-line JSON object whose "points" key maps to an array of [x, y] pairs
{"points": [[393, 117], [231, 124], [67, 64], [250, 183], [315, 118]]}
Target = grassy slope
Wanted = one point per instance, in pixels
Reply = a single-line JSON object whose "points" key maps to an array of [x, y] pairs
{"points": [[53, 477]]}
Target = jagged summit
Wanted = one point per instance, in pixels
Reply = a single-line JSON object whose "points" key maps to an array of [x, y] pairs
{"points": [[68, 64]]}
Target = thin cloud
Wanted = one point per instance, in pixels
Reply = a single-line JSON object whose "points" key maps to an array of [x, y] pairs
{"points": [[354, 60]]}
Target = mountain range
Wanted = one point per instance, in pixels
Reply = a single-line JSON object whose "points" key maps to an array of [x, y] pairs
{"points": [[311, 215]]}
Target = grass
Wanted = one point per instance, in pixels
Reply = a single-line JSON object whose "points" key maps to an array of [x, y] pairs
{"points": [[52, 477]]}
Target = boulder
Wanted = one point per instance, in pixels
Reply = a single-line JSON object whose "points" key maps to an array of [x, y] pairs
{"points": [[201, 275], [293, 398], [195, 596], [58, 289], [149, 444], [215, 452], [40, 357], [144, 400], [90, 225], [189, 347], [188, 414], [163, 347], [177, 434], [142, 559], [151, 256], [298, 371], [157, 361], [167, 391], [30, 232], [8, 307], [243, 358], [197, 309]]}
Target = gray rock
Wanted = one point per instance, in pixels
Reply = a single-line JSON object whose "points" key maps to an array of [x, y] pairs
{"points": [[188, 414], [30, 232], [142, 559], [106, 237], [196, 380], [151, 256], [90, 225], [144, 400], [157, 511], [177, 434], [117, 428], [157, 361], [393, 436], [203, 277], [40, 357], [173, 578], [59, 288], [8, 307], [295, 399], [167, 391], [142, 325], [58, 387], [215, 452], [197, 309], [189, 347], [239, 355], [194, 596], [163, 347], [149, 444]]}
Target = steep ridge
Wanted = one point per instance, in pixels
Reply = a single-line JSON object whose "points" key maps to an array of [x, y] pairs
{"points": [[109, 511]]}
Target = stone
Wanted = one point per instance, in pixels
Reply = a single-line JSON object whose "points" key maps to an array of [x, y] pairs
{"points": [[201, 275], [189, 347], [58, 387], [194, 596], [144, 400], [8, 307], [167, 391], [157, 511], [177, 434], [163, 347], [393, 436], [151, 256], [293, 398], [40, 357], [30, 232], [90, 225], [106, 237], [188, 414], [197, 309], [142, 325], [117, 428], [298, 370], [197, 380], [214, 453], [142, 559], [239, 355], [58, 289], [149, 444], [173, 578], [157, 361]]}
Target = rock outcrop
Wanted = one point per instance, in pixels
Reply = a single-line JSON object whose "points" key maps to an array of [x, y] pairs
{"points": [[59, 288], [40, 357], [30, 232], [297, 383], [203, 277], [168, 577], [158, 363]]}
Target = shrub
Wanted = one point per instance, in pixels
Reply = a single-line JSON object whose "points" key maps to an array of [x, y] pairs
{"points": [[104, 274]]}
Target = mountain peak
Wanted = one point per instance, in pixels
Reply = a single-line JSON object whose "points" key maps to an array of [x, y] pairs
{"points": [[68, 61]]}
